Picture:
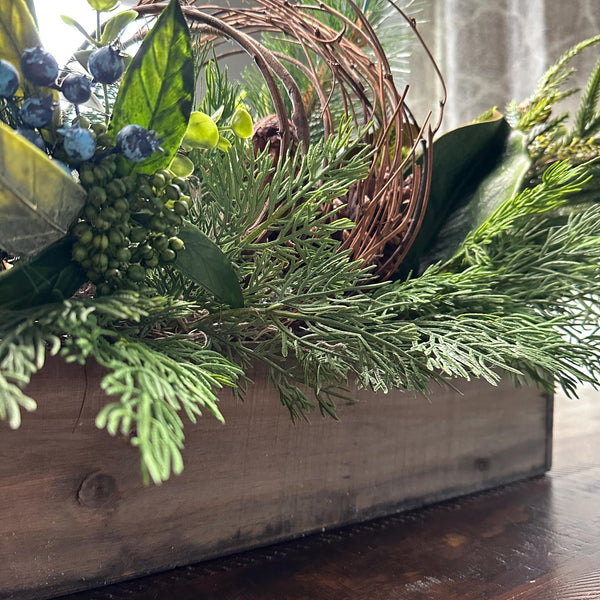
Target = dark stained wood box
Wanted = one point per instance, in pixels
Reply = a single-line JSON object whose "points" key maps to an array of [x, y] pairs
{"points": [[74, 513]]}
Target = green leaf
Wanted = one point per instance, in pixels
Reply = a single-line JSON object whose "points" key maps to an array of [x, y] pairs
{"points": [[115, 25], [158, 86], [18, 32], [103, 5], [31, 7], [73, 23], [201, 132], [181, 165], [241, 123], [82, 57], [204, 263], [461, 159], [51, 276], [38, 200], [500, 185]]}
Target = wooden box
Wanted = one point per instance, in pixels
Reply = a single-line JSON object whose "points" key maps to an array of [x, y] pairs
{"points": [[74, 513]]}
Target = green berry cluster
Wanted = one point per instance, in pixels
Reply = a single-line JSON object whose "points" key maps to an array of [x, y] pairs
{"points": [[129, 223]]}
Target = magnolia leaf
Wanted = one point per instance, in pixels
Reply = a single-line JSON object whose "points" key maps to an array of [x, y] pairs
{"points": [[38, 200], [31, 6], [205, 264], [461, 160], [50, 276], [115, 25], [158, 86], [498, 186], [73, 23]]}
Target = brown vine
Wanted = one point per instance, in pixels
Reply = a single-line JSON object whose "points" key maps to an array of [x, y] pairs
{"points": [[346, 59]]}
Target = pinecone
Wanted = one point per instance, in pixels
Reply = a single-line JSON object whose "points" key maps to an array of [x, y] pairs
{"points": [[267, 133]]}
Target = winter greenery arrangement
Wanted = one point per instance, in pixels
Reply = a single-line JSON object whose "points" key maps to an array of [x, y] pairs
{"points": [[177, 227]]}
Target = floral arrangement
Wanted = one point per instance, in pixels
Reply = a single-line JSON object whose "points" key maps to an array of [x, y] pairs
{"points": [[178, 227]]}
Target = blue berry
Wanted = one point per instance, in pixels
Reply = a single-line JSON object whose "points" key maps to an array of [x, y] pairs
{"points": [[37, 112], [106, 64], [137, 143], [39, 66], [9, 79], [79, 143], [76, 88], [33, 136]]}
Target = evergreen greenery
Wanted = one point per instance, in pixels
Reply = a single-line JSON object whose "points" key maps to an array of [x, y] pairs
{"points": [[517, 296]]}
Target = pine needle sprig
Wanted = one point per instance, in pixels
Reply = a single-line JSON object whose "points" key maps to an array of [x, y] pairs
{"points": [[560, 182], [156, 380], [587, 122], [157, 375], [549, 91]]}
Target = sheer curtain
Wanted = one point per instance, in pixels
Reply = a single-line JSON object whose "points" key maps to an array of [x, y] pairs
{"points": [[492, 52]]}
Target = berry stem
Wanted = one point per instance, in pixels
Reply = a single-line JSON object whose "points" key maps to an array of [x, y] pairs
{"points": [[106, 103], [104, 86], [98, 28]]}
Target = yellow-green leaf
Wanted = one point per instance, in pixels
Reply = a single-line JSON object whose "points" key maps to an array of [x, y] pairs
{"points": [[115, 25], [73, 23], [103, 5], [181, 165], [223, 144], [241, 123], [201, 132], [38, 200]]}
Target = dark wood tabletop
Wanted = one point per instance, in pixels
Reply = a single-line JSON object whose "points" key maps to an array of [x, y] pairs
{"points": [[534, 540]]}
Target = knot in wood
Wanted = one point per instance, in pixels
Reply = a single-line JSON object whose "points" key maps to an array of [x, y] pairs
{"points": [[97, 490]]}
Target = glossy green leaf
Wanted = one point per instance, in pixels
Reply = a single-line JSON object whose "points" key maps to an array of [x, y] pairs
{"points": [[157, 88], [205, 264], [462, 158], [18, 32], [38, 200], [201, 132], [241, 123], [50, 276], [103, 5], [73, 23], [182, 166], [498, 186], [115, 25], [223, 144]]}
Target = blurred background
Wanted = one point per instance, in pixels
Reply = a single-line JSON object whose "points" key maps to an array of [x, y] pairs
{"points": [[493, 52]]}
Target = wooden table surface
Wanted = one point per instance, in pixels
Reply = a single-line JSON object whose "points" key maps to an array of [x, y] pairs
{"points": [[534, 540]]}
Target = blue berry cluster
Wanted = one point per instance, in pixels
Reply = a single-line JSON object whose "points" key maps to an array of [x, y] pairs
{"points": [[129, 223], [40, 68]]}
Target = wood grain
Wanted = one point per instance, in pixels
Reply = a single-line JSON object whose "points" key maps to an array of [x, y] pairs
{"points": [[534, 540], [75, 514]]}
